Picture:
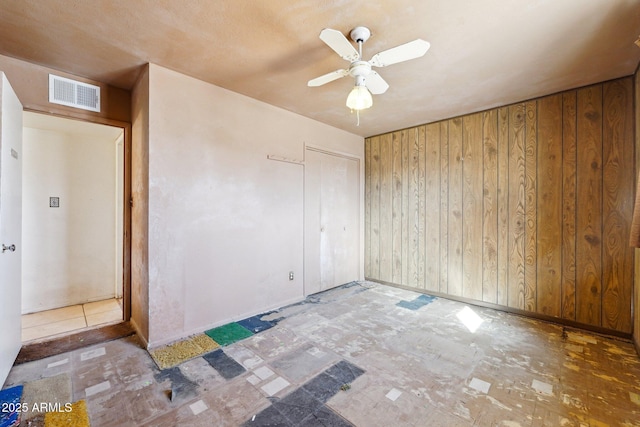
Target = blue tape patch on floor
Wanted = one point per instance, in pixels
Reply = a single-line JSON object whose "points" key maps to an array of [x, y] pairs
{"points": [[255, 324], [10, 401], [417, 303]]}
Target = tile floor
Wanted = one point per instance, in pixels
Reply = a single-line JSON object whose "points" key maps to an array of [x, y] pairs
{"points": [[366, 355], [63, 320]]}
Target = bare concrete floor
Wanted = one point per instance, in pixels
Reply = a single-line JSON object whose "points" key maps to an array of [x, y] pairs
{"points": [[366, 355]]}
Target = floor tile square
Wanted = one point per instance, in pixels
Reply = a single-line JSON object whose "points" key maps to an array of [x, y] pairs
{"points": [[542, 388], [479, 385], [104, 317], [54, 328], [302, 363], [198, 407], [324, 417], [229, 333], [269, 417], [393, 394], [10, 397], [226, 366], [181, 388], [181, 351], [297, 405], [50, 316], [275, 386], [323, 387], [103, 306], [263, 372], [344, 372], [255, 324]]}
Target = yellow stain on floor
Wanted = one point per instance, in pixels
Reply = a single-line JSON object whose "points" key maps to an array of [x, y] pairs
{"points": [[606, 377], [571, 366], [596, 423], [76, 417]]}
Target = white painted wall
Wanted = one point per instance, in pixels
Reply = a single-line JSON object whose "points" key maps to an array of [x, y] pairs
{"points": [[68, 252], [225, 224]]}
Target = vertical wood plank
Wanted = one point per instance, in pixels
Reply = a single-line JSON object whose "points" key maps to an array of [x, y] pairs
{"points": [[569, 138], [396, 214], [432, 207], [414, 207], [444, 205], [404, 141], [618, 192], [367, 207], [589, 206], [503, 206], [516, 291], [454, 251], [549, 200], [422, 163], [531, 222], [375, 207], [472, 207], [386, 184], [490, 206]]}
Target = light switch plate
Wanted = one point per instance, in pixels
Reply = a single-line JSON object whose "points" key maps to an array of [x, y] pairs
{"points": [[54, 202]]}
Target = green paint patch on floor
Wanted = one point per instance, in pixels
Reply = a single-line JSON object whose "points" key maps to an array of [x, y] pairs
{"points": [[181, 351], [229, 333]]}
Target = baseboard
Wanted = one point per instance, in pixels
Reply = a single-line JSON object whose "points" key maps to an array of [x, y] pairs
{"points": [[545, 318], [201, 329]]}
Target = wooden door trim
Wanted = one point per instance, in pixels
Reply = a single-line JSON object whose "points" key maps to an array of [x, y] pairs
{"points": [[126, 205]]}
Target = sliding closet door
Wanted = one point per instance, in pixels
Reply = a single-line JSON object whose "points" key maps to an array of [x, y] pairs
{"points": [[331, 220]]}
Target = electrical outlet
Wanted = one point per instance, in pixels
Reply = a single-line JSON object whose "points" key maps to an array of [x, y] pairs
{"points": [[54, 202], [291, 275]]}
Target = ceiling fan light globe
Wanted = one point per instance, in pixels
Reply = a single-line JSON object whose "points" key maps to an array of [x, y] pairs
{"points": [[359, 98]]}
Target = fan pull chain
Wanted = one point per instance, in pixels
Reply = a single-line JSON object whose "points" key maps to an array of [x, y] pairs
{"points": [[358, 117]]}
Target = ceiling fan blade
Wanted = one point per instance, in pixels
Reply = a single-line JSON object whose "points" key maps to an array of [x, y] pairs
{"points": [[339, 43], [404, 52], [329, 77], [375, 83]]}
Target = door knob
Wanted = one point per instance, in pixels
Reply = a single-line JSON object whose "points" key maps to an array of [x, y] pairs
{"points": [[11, 248]]}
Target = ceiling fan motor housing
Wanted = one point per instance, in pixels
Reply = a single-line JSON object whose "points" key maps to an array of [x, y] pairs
{"points": [[360, 34], [359, 68]]}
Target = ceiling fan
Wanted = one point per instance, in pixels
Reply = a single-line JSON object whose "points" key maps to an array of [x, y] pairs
{"points": [[368, 81]]}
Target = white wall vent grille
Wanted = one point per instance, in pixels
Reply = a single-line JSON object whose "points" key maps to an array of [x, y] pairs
{"points": [[72, 93]]}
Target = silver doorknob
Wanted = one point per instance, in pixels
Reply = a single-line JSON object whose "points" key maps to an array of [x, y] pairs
{"points": [[11, 248]]}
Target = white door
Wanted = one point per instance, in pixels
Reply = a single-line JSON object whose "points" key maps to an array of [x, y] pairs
{"points": [[10, 225], [332, 189]]}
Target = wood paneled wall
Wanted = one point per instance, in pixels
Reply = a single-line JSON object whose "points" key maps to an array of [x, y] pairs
{"points": [[526, 206], [636, 288]]}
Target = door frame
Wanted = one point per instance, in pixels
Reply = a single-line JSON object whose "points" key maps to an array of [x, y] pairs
{"points": [[126, 195]]}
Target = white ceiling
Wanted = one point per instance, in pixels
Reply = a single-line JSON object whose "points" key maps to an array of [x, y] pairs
{"points": [[483, 53]]}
